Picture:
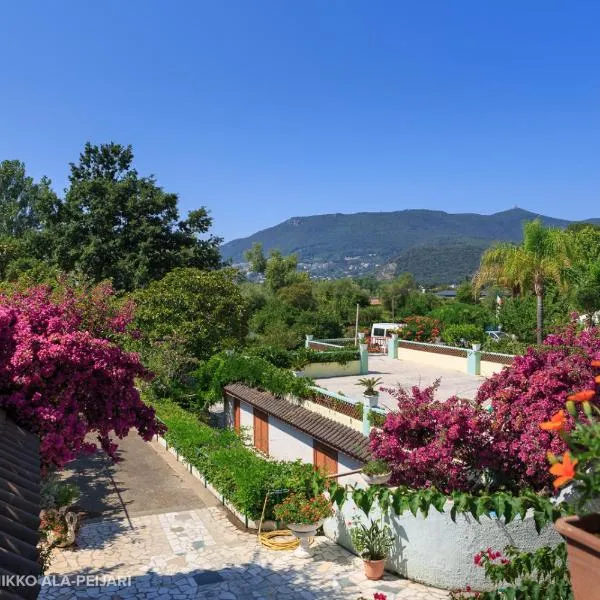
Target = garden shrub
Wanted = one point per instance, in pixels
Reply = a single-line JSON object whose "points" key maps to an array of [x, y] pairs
{"points": [[456, 335], [419, 329], [458, 313], [236, 471]]}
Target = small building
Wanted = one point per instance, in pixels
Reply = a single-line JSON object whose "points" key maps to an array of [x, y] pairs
{"points": [[19, 510], [286, 430]]}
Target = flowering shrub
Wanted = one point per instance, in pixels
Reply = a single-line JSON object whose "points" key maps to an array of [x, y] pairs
{"points": [[62, 381], [428, 443], [297, 508], [419, 329], [532, 390]]}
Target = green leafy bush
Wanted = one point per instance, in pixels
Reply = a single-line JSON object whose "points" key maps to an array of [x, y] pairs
{"points": [[237, 472], [455, 334], [458, 313]]}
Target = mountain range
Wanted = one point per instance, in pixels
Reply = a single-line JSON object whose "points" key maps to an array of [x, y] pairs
{"points": [[435, 246]]}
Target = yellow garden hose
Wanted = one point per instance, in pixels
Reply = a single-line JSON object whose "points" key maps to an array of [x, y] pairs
{"points": [[269, 538]]}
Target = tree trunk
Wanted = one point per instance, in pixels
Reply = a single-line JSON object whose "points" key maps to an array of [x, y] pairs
{"points": [[540, 316]]}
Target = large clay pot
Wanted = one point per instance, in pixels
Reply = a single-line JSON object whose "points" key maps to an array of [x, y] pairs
{"points": [[583, 550], [374, 569]]}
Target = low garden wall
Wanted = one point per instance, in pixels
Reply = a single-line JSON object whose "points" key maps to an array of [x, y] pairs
{"points": [[444, 357], [331, 369], [437, 551]]}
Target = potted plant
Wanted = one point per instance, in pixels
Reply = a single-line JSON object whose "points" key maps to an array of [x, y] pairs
{"points": [[373, 544], [370, 394], [580, 465], [303, 516], [59, 517], [476, 345], [376, 472]]}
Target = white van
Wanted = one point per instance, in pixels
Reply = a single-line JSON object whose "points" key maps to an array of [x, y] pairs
{"points": [[381, 332]]}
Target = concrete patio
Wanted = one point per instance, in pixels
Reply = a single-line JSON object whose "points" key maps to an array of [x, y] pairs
{"points": [[181, 544], [405, 373]]}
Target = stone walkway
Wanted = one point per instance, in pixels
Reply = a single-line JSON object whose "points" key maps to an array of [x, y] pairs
{"points": [[199, 553]]}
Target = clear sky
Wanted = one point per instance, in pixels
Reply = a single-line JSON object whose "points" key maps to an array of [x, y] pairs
{"points": [[266, 109]]}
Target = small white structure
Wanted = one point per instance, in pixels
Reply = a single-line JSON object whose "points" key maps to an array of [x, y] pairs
{"points": [[381, 332]]}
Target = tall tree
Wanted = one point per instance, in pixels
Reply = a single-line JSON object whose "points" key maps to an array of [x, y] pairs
{"points": [[22, 201], [114, 224], [542, 257]]}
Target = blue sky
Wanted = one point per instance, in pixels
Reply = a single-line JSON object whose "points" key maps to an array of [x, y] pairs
{"points": [[266, 109]]}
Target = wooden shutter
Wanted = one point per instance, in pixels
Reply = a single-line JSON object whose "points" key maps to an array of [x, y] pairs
{"points": [[261, 431], [325, 458], [236, 415]]}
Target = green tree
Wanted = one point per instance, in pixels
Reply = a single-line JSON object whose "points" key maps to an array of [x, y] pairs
{"points": [[543, 257], [114, 224], [256, 258], [394, 294], [466, 294], [281, 271], [23, 203], [299, 295], [201, 312], [339, 297]]}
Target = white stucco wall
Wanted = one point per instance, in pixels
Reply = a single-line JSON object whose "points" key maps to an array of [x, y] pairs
{"points": [[489, 368], [436, 551], [319, 370], [332, 414], [347, 463], [247, 422], [288, 443], [442, 361]]}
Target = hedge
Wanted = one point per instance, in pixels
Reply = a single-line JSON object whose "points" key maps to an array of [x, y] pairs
{"points": [[237, 472]]}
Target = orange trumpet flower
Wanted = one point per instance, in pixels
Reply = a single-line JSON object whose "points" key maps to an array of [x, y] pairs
{"points": [[556, 422], [596, 363], [563, 471], [584, 396]]}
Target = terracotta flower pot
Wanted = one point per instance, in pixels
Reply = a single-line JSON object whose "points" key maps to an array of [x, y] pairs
{"points": [[374, 569], [582, 535]]}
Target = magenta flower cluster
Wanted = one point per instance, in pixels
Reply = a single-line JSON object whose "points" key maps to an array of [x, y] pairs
{"points": [[458, 445], [63, 379], [431, 443]]}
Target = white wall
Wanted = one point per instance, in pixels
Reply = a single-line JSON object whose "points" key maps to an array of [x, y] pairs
{"points": [[288, 443], [489, 368], [332, 414], [347, 463], [319, 370], [437, 551], [442, 361], [247, 421]]}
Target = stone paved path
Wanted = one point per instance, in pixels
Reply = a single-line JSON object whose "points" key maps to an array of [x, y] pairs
{"points": [[199, 553]]}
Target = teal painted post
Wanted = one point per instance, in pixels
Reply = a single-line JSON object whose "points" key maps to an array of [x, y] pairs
{"points": [[474, 362], [366, 426], [309, 339], [364, 359], [393, 346]]}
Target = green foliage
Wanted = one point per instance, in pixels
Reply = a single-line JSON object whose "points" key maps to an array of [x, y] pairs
{"points": [[496, 505], [457, 313], [539, 575], [243, 477], [454, 334], [419, 304], [395, 293], [376, 467], [114, 224], [373, 542], [202, 311], [222, 369], [466, 294]]}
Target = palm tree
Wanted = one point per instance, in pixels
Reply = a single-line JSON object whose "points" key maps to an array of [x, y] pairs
{"points": [[542, 257]]}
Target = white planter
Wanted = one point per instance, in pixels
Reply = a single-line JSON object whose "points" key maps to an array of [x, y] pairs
{"points": [[363, 347], [476, 347], [377, 479], [372, 401], [304, 532]]}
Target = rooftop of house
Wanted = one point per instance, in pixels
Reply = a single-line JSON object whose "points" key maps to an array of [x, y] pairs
{"points": [[336, 435], [19, 506]]}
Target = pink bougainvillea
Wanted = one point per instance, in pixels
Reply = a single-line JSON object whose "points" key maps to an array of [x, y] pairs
{"points": [[497, 442], [62, 378], [432, 443]]}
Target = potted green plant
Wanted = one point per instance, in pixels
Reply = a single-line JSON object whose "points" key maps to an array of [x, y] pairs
{"points": [[303, 516], [373, 544], [580, 467], [370, 394], [376, 472]]}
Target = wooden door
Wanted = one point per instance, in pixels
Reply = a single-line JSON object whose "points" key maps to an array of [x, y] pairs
{"points": [[236, 415], [261, 431], [325, 458]]}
